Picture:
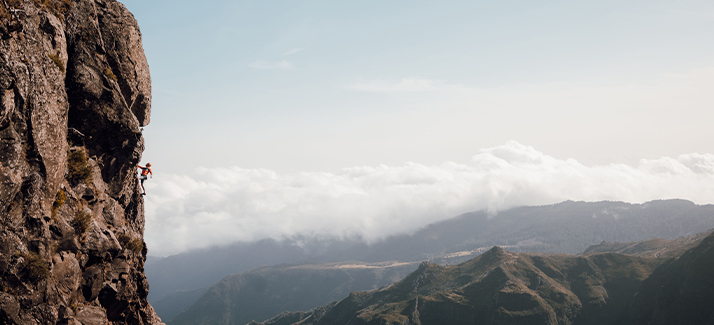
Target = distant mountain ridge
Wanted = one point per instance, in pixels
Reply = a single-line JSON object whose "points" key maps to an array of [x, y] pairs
{"points": [[568, 226], [681, 291], [500, 287], [259, 293], [653, 247]]}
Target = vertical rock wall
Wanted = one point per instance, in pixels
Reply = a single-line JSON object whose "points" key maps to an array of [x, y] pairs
{"points": [[74, 91]]}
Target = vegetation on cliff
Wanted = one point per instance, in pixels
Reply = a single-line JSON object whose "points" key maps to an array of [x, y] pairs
{"points": [[59, 8]]}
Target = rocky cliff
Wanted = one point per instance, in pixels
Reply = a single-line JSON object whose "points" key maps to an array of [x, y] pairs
{"points": [[74, 92]]}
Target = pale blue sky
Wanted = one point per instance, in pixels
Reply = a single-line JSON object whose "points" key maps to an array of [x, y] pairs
{"points": [[262, 110], [321, 85]]}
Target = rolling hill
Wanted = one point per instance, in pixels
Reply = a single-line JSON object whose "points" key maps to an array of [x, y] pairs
{"points": [[501, 287], [568, 227]]}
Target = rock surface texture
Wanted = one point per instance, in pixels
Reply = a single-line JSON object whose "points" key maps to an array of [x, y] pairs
{"points": [[74, 91]]}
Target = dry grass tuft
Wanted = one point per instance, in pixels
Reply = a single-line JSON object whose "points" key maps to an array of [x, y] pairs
{"points": [[124, 239], [59, 8], [78, 169], [36, 267], [136, 246], [56, 59], [59, 202], [82, 221], [5, 14], [108, 72]]}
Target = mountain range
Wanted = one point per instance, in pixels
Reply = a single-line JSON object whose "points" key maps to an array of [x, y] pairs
{"points": [[568, 227], [501, 287], [259, 293]]}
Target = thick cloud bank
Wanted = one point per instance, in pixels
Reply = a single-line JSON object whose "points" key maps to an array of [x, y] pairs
{"points": [[223, 205]]}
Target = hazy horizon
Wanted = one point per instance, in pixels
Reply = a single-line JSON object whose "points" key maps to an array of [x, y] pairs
{"points": [[274, 118]]}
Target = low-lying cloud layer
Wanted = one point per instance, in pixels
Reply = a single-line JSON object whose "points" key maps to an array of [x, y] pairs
{"points": [[222, 205]]}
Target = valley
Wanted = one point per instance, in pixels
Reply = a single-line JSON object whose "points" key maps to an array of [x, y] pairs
{"points": [[329, 270]]}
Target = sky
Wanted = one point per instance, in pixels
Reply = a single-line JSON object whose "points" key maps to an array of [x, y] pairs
{"points": [[273, 118]]}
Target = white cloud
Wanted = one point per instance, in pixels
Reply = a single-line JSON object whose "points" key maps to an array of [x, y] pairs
{"points": [[222, 205], [267, 65], [293, 51]]}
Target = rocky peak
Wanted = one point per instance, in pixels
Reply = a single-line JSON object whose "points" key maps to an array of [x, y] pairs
{"points": [[74, 91]]}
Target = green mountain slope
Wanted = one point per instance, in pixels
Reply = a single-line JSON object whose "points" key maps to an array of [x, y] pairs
{"points": [[653, 247], [501, 287], [266, 291], [679, 292], [568, 227]]}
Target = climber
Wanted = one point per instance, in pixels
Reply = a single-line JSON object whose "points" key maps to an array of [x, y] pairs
{"points": [[145, 171]]}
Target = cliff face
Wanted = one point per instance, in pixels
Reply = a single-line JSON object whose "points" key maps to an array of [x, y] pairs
{"points": [[74, 92]]}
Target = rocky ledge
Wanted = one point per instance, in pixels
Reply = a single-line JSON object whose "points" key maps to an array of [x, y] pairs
{"points": [[74, 92]]}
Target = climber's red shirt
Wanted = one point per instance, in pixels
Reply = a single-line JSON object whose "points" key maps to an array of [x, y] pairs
{"points": [[145, 171]]}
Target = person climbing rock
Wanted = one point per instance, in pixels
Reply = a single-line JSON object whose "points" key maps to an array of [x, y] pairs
{"points": [[144, 172]]}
